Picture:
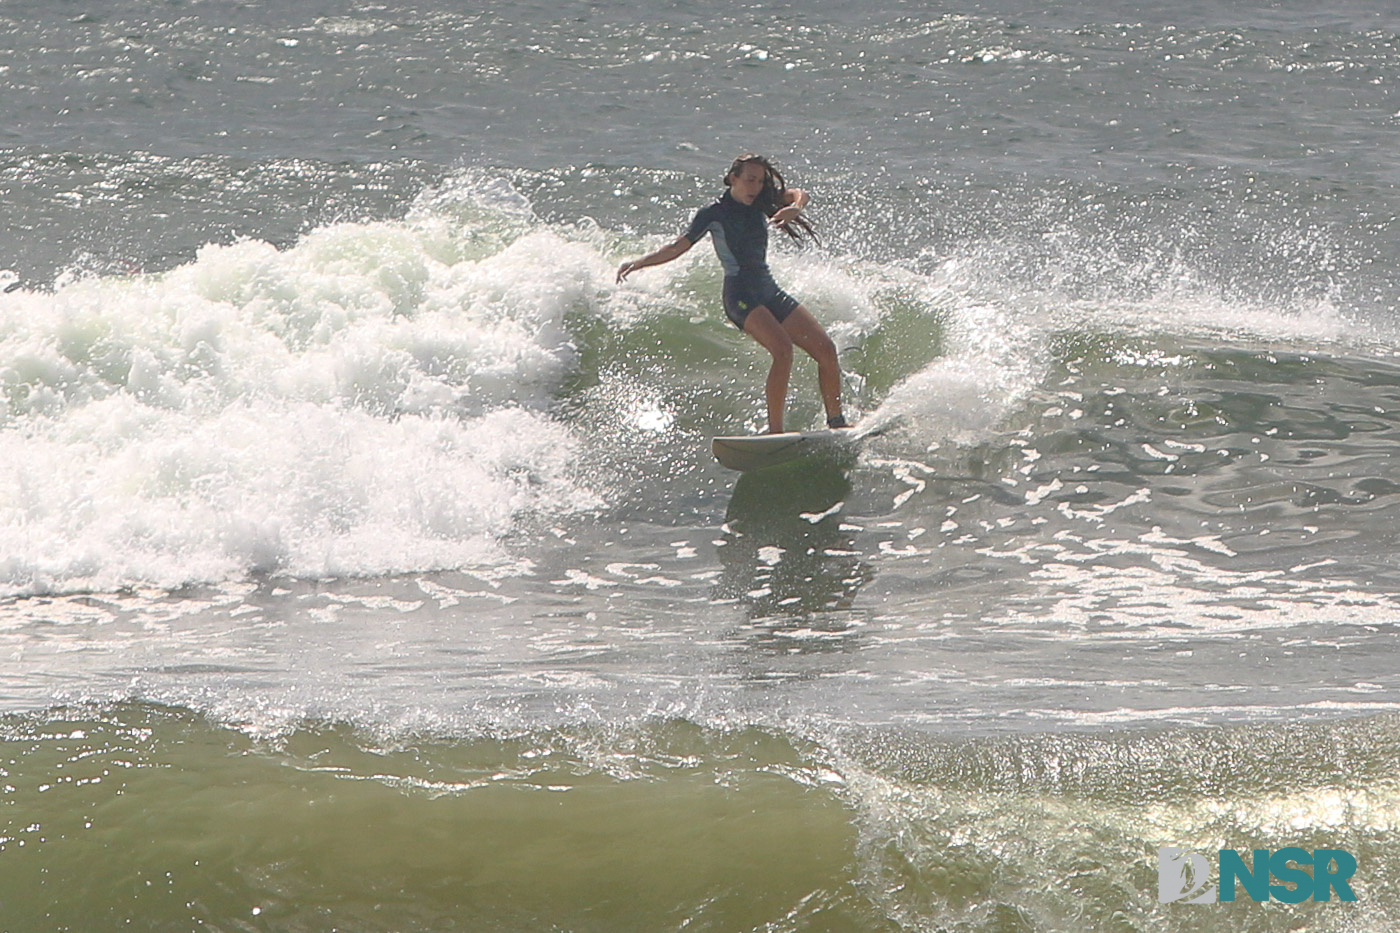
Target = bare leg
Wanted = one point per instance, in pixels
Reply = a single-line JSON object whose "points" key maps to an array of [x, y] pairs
{"points": [[763, 327], [808, 334]]}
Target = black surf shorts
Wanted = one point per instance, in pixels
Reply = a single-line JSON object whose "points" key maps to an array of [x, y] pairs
{"points": [[741, 297]]}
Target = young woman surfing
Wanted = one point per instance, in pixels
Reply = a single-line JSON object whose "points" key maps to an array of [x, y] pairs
{"points": [[738, 224]]}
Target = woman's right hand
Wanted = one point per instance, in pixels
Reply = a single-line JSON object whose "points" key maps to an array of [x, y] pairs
{"points": [[663, 255]]}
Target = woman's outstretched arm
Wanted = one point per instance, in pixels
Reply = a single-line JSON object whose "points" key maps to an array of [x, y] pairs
{"points": [[665, 254]]}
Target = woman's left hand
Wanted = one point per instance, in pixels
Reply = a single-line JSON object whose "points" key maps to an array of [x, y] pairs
{"points": [[783, 215]]}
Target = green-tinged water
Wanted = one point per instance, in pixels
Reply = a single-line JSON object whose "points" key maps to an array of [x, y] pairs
{"points": [[154, 818]]}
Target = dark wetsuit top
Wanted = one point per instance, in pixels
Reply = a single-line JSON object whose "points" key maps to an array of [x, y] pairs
{"points": [[740, 234]]}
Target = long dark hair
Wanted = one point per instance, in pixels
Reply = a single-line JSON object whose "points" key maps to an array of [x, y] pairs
{"points": [[770, 199]]}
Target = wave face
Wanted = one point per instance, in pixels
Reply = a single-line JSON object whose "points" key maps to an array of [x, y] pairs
{"points": [[403, 396]]}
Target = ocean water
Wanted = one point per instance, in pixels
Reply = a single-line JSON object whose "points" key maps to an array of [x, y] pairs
{"points": [[363, 565]]}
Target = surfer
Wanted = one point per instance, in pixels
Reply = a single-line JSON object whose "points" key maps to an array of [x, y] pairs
{"points": [[738, 224]]}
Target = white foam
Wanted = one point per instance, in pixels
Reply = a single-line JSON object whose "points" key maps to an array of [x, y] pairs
{"points": [[990, 367], [373, 399]]}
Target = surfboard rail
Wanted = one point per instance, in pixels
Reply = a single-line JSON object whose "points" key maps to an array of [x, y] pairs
{"points": [[756, 451]]}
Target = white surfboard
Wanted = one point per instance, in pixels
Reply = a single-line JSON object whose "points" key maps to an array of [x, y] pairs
{"points": [[756, 451]]}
